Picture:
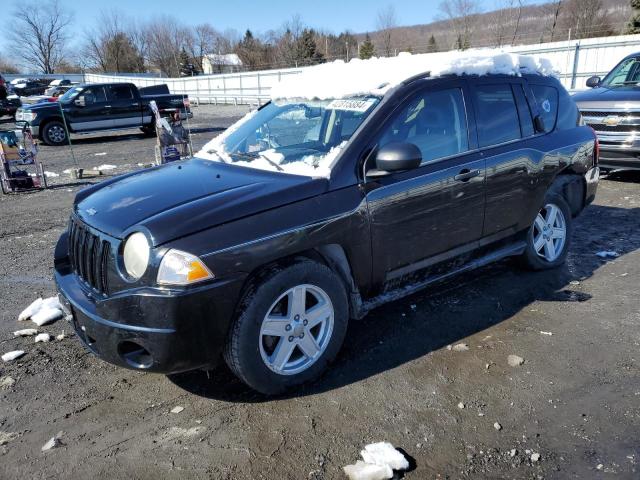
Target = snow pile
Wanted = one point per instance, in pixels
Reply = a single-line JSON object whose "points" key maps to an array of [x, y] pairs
{"points": [[380, 459], [106, 166], [42, 312], [43, 337], [10, 356], [376, 76], [27, 332]]}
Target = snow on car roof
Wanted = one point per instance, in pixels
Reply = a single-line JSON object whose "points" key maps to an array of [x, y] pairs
{"points": [[376, 76]]}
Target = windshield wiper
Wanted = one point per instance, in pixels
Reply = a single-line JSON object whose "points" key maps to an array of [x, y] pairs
{"points": [[249, 157], [215, 152]]}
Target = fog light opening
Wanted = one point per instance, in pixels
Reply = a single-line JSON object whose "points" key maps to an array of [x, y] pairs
{"points": [[135, 355]]}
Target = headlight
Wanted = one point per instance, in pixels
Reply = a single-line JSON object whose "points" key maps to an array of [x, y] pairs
{"points": [[182, 268], [29, 116], [136, 255]]}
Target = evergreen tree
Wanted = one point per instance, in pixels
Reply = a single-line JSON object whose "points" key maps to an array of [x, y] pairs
{"points": [[634, 22], [462, 43], [367, 49], [187, 68], [432, 46], [307, 50]]}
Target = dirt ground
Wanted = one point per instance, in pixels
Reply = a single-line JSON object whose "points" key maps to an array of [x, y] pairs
{"points": [[575, 400]]}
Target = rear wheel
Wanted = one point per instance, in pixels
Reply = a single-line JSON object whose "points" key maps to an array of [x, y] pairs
{"points": [[549, 237], [289, 328], [54, 133]]}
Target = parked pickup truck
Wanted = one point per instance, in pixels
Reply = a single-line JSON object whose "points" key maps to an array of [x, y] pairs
{"points": [[99, 107], [612, 109]]}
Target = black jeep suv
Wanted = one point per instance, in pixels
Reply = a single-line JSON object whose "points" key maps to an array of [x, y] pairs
{"points": [[308, 213]]}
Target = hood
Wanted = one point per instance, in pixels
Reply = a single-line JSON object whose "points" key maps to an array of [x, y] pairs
{"points": [[605, 97], [40, 106], [185, 197]]}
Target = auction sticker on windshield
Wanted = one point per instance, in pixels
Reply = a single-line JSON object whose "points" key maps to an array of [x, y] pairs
{"points": [[351, 105]]}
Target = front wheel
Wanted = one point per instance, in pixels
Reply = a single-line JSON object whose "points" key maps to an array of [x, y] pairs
{"points": [[288, 328], [549, 237], [54, 133]]}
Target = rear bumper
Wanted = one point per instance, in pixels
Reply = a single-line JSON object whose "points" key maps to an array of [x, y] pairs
{"points": [[151, 329], [592, 178]]}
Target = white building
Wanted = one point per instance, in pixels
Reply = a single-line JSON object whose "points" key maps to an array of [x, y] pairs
{"points": [[219, 63]]}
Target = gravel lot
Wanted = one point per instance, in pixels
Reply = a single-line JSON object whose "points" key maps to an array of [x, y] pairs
{"points": [[575, 400]]}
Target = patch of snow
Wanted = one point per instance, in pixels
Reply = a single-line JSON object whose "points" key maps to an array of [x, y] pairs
{"points": [[30, 310], [607, 254], [367, 471], [100, 154], [27, 332], [377, 76], [546, 333], [383, 453], [53, 442], [106, 166], [46, 315], [177, 409], [11, 356], [62, 336], [43, 337], [211, 149], [6, 437], [497, 426], [51, 174], [460, 347], [7, 382], [515, 360]]}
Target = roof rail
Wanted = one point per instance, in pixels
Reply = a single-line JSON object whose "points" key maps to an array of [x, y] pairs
{"points": [[416, 77]]}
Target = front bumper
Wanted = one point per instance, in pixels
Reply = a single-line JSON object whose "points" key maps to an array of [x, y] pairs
{"points": [[35, 129], [619, 150], [152, 329]]}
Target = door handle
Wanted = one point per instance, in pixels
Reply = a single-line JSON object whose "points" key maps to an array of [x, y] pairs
{"points": [[135, 104], [465, 175], [107, 106]]}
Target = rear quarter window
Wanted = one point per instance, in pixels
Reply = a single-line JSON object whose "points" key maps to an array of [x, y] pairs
{"points": [[547, 100]]}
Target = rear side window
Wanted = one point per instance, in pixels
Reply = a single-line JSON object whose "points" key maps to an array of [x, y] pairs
{"points": [[498, 120], [120, 92], [547, 100]]}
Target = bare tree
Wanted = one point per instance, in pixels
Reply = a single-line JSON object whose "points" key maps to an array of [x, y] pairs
{"points": [[39, 33], [553, 10], [165, 38], [462, 16], [386, 22], [505, 21], [586, 18], [7, 65], [110, 47], [203, 42]]}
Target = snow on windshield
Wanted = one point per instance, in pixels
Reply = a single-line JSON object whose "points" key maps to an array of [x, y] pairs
{"points": [[376, 76]]}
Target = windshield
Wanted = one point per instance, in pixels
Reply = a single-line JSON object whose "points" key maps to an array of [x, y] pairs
{"points": [[301, 138], [70, 95], [626, 72]]}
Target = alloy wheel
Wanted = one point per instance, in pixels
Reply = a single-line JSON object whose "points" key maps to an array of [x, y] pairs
{"points": [[296, 330], [549, 232], [56, 134]]}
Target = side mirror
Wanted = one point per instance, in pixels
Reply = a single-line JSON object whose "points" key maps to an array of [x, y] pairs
{"points": [[538, 123], [593, 82], [79, 102], [396, 157]]}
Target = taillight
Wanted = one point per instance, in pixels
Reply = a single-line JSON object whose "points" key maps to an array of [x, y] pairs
{"points": [[596, 148]]}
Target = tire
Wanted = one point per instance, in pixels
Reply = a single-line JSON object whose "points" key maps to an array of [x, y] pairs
{"points": [[540, 254], [54, 134], [252, 354], [148, 130]]}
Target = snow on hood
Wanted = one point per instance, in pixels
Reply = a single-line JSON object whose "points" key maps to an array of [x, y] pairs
{"points": [[378, 75]]}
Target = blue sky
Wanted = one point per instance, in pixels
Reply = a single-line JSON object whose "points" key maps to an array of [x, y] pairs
{"points": [[258, 15]]}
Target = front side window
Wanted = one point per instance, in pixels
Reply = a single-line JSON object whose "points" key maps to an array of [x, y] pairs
{"points": [[434, 121], [497, 120], [296, 137]]}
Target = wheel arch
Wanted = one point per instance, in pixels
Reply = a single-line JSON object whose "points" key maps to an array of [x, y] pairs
{"points": [[572, 187], [47, 121], [331, 255]]}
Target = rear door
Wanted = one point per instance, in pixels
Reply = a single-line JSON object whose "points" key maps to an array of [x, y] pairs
{"points": [[89, 110], [505, 128], [125, 106], [426, 215]]}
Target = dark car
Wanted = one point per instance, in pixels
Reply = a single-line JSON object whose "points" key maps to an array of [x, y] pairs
{"points": [[310, 212], [30, 87], [9, 104], [98, 107], [612, 109]]}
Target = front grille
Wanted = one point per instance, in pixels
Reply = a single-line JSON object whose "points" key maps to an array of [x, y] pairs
{"points": [[599, 127], [89, 255]]}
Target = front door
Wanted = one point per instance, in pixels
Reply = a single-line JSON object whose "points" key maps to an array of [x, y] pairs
{"points": [[89, 111], [420, 217]]}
